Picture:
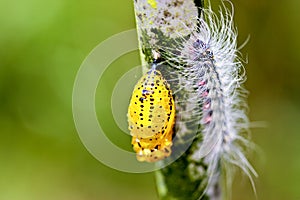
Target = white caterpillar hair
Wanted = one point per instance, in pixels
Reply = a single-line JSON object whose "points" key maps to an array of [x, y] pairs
{"points": [[214, 73]]}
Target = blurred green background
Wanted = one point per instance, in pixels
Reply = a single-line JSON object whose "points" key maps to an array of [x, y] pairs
{"points": [[43, 43]]}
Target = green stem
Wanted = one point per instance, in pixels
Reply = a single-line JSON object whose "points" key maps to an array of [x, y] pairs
{"points": [[159, 24]]}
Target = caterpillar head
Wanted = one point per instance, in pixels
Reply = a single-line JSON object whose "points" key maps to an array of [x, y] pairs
{"points": [[202, 50], [196, 49]]}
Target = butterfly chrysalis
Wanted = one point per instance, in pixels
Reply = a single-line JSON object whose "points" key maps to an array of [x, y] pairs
{"points": [[151, 116]]}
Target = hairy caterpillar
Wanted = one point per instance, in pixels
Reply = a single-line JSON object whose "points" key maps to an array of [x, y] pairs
{"points": [[209, 61]]}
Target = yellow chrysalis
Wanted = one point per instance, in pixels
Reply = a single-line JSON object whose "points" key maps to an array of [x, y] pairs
{"points": [[151, 117]]}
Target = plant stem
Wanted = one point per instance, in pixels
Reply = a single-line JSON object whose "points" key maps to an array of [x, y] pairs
{"points": [[164, 23]]}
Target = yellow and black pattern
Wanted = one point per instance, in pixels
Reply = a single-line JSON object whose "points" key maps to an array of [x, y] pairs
{"points": [[151, 117]]}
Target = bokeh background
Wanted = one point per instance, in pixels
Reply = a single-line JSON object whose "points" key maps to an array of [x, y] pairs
{"points": [[43, 43]]}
